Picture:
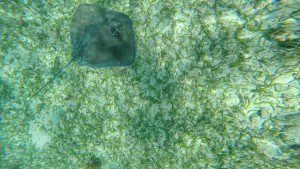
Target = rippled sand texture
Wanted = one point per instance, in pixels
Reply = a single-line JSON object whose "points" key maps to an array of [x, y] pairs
{"points": [[215, 84]]}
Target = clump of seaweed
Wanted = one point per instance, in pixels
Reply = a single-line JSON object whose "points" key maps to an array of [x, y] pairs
{"points": [[282, 23], [94, 163]]}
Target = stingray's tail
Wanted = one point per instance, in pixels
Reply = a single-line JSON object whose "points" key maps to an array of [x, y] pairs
{"points": [[51, 80]]}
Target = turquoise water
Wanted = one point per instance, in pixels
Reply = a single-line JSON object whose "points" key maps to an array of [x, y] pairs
{"points": [[214, 85]]}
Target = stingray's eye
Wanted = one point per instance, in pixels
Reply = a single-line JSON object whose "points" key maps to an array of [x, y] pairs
{"points": [[115, 31]]}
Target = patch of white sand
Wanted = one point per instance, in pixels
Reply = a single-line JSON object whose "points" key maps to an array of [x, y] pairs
{"points": [[38, 137]]}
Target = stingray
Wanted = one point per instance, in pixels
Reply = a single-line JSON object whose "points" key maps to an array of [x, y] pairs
{"points": [[100, 38]]}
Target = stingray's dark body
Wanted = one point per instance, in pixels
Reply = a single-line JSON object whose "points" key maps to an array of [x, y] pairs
{"points": [[101, 37]]}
